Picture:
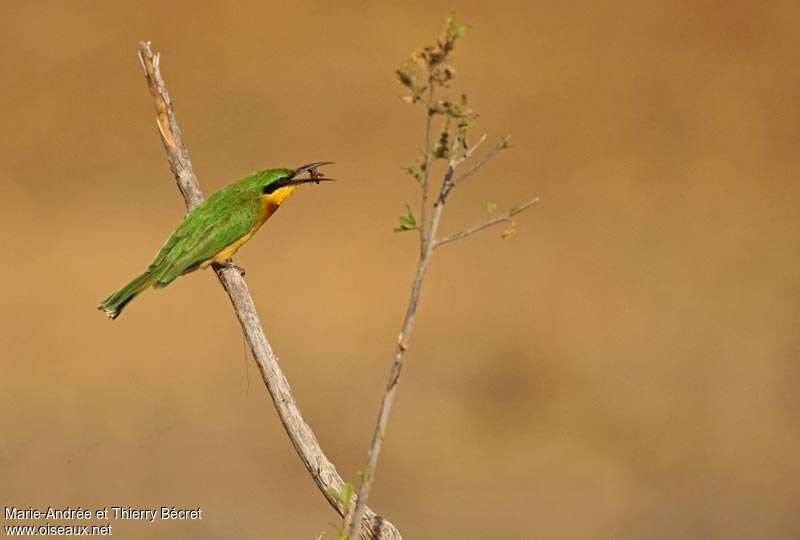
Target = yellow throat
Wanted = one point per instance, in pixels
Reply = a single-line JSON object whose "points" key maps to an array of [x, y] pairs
{"points": [[269, 203]]}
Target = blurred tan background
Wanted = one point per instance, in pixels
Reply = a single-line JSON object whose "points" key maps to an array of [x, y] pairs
{"points": [[626, 367]]}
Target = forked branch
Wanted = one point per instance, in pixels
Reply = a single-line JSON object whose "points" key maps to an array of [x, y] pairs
{"points": [[434, 60], [502, 218]]}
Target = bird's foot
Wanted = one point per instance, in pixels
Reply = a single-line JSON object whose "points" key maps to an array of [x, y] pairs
{"points": [[230, 264]]}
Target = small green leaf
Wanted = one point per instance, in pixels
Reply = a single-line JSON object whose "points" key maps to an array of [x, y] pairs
{"points": [[510, 231], [455, 109], [344, 495], [416, 170], [441, 150], [405, 77], [490, 206], [461, 134], [454, 30], [410, 76], [407, 221]]}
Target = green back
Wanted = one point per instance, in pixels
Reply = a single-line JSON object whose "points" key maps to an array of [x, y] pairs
{"points": [[219, 221]]}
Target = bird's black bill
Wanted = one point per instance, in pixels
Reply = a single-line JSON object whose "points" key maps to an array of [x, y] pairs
{"points": [[314, 175], [312, 167], [317, 180]]}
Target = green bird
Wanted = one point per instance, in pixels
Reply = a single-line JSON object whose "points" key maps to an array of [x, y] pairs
{"points": [[214, 230]]}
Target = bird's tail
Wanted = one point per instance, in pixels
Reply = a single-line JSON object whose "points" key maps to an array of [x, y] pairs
{"points": [[113, 305]]}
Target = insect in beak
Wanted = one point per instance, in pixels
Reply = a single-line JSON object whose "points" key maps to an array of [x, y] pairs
{"points": [[314, 175]]}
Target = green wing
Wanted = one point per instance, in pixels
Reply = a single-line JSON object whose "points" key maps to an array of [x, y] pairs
{"points": [[204, 232]]}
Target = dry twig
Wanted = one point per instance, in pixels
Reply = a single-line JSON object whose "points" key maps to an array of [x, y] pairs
{"points": [[324, 474], [503, 218], [502, 145], [439, 73]]}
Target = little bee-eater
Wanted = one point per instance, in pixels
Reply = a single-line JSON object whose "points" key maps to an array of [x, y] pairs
{"points": [[213, 231]]}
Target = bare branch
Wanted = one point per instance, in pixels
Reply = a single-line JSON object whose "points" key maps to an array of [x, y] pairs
{"points": [[448, 183], [504, 218], [171, 136], [438, 72], [324, 474], [394, 377], [456, 161], [502, 145], [399, 353]]}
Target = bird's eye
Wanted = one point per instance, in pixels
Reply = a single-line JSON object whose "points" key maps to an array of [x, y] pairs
{"points": [[275, 185]]}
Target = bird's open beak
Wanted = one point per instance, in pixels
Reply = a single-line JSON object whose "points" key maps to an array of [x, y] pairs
{"points": [[314, 175], [310, 167]]}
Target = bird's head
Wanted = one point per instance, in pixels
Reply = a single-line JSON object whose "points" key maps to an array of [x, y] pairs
{"points": [[278, 184]]}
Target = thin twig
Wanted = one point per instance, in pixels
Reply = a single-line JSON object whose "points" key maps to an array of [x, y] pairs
{"points": [[503, 218], [373, 526], [426, 164], [480, 162], [399, 352], [468, 153], [428, 243], [394, 376]]}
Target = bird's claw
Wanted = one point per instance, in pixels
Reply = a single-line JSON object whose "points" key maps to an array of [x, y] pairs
{"points": [[230, 264]]}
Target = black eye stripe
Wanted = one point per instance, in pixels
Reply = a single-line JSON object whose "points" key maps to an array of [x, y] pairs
{"points": [[274, 186]]}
